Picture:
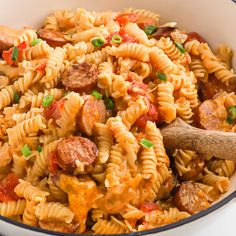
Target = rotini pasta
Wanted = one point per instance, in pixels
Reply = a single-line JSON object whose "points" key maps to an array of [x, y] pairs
{"points": [[82, 104]]}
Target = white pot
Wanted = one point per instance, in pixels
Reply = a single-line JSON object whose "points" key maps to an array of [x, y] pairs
{"points": [[214, 19]]}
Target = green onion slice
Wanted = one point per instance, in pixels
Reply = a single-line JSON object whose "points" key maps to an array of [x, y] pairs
{"points": [[150, 29], [39, 148], [25, 150], [98, 42], [47, 100], [116, 38], [231, 115], [15, 53], [180, 47], [146, 143], [109, 103], [35, 42], [162, 76], [16, 97], [97, 95]]}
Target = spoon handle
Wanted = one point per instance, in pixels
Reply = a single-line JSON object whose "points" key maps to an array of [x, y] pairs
{"points": [[219, 144]]}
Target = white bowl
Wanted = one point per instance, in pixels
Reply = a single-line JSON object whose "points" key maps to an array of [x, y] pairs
{"points": [[214, 19]]}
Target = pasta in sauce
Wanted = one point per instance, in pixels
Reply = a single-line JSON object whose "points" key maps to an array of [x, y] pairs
{"points": [[81, 103]]}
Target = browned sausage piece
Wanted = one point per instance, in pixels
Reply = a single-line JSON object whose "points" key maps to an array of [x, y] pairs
{"points": [[93, 111], [58, 226], [53, 38], [189, 197], [80, 77], [208, 117], [7, 36], [70, 150], [163, 32], [166, 188], [213, 86]]}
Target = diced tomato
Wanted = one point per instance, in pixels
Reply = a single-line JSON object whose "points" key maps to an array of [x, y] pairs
{"points": [[149, 206], [125, 37], [125, 18], [7, 55], [136, 88], [53, 163], [152, 115], [54, 110], [7, 187], [153, 112], [195, 35], [145, 22], [41, 68]]}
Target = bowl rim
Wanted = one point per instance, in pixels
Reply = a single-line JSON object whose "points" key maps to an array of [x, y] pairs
{"points": [[192, 218], [189, 219]]}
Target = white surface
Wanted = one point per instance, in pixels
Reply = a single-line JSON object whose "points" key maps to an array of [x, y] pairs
{"points": [[214, 19]]}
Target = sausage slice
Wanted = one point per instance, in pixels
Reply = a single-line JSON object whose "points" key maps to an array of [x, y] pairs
{"points": [[214, 86], [70, 150], [7, 36], [189, 197], [80, 77], [93, 111], [53, 38], [208, 117]]}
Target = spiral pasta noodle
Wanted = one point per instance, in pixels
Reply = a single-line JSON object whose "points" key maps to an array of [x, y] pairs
{"points": [[54, 210], [221, 167], [81, 114], [105, 141], [132, 50], [166, 102], [138, 34], [53, 67], [20, 131], [26, 190], [154, 135], [221, 183], [12, 208], [40, 50], [27, 36], [113, 226], [133, 112], [29, 216], [160, 60], [184, 110]]}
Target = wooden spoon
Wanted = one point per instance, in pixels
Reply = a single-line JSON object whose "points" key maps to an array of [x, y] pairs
{"points": [[219, 144]]}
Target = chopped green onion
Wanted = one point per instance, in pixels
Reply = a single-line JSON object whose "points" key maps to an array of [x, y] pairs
{"points": [[150, 29], [98, 42], [25, 150], [146, 143], [116, 38], [180, 47], [16, 97], [162, 76], [15, 53], [231, 115], [97, 95], [47, 100], [39, 148], [109, 103], [35, 42]]}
